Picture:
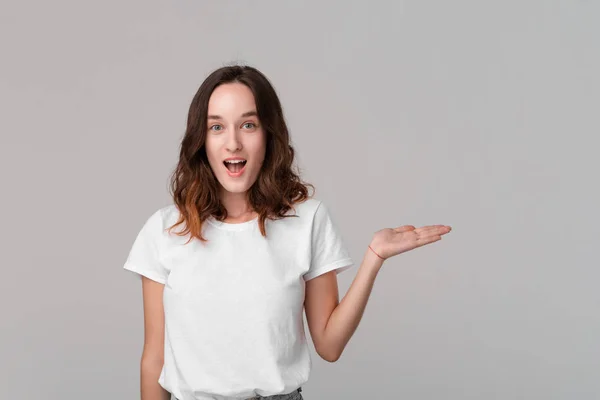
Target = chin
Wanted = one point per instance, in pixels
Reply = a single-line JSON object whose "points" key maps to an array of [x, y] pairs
{"points": [[235, 188]]}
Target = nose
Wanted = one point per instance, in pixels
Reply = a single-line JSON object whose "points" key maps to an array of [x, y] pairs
{"points": [[233, 143]]}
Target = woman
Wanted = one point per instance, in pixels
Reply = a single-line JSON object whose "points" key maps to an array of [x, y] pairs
{"points": [[224, 296]]}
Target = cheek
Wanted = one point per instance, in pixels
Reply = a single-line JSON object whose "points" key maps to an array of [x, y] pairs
{"points": [[211, 154], [261, 148]]}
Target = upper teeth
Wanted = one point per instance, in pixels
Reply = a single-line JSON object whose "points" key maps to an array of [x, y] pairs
{"points": [[234, 161]]}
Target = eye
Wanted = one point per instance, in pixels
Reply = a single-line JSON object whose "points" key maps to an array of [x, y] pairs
{"points": [[252, 125], [214, 128]]}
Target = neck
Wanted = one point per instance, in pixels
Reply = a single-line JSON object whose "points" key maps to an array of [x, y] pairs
{"points": [[237, 206]]}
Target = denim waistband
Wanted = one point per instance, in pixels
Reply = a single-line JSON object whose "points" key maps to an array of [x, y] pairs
{"points": [[286, 396], [295, 395]]}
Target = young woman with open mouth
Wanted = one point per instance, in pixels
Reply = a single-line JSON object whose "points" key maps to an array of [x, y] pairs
{"points": [[229, 268]]}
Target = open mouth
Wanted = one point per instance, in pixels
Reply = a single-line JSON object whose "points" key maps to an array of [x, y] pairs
{"points": [[235, 166]]}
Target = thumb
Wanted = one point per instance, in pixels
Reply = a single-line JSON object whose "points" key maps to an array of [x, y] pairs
{"points": [[404, 228]]}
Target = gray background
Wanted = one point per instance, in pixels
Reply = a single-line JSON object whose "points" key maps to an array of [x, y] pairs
{"points": [[479, 115]]}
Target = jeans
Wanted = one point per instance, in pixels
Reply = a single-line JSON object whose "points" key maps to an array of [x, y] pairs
{"points": [[295, 395]]}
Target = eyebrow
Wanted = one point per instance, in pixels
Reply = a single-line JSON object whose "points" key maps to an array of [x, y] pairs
{"points": [[244, 115]]}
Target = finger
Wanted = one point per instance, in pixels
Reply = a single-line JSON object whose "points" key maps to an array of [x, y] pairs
{"points": [[425, 230], [427, 227], [422, 241], [427, 237], [404, 228], [433, 230]]}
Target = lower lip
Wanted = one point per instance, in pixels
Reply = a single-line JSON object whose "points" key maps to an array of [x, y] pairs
{"points": [[236, 174]]}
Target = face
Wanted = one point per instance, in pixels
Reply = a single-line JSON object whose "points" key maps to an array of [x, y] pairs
{"points": [[235, 140]]}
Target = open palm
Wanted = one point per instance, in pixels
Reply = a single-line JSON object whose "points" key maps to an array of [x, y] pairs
{"points": [[389, 242]]}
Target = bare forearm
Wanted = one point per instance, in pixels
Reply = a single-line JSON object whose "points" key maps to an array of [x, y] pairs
{"points": [[347, 315], [149, 386]]}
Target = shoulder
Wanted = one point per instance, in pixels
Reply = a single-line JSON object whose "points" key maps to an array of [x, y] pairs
{"points": [[168, 214], [314, 210], [308, 208], [160, 219], [299, 218], [312, 213]]}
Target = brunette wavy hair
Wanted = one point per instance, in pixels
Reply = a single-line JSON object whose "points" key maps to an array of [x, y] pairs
{"points": [[193, 185]]}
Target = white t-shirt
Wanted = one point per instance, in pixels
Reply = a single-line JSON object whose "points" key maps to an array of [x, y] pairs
{"points": [[233, 306]]}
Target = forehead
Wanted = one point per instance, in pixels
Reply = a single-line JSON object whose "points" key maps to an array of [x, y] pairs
{"points": [[231, 100]]}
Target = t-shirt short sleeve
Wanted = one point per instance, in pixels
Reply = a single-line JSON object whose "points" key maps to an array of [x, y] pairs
{"points": [[328, 251], [143, 258]]}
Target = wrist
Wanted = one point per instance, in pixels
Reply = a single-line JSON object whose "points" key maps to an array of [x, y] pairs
{"points": [[377, 253], [372, 260]]}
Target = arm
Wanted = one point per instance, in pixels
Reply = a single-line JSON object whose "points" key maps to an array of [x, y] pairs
{"points": [[332, 324], [154, 334]]}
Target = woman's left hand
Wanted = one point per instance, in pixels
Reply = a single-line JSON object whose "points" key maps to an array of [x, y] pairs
{"points": [[389, 242]]}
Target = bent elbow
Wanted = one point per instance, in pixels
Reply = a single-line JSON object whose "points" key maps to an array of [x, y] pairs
{"points": [[329, 356]]}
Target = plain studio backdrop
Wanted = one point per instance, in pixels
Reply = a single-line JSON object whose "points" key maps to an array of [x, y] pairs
{"points": [[479, 115]]}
